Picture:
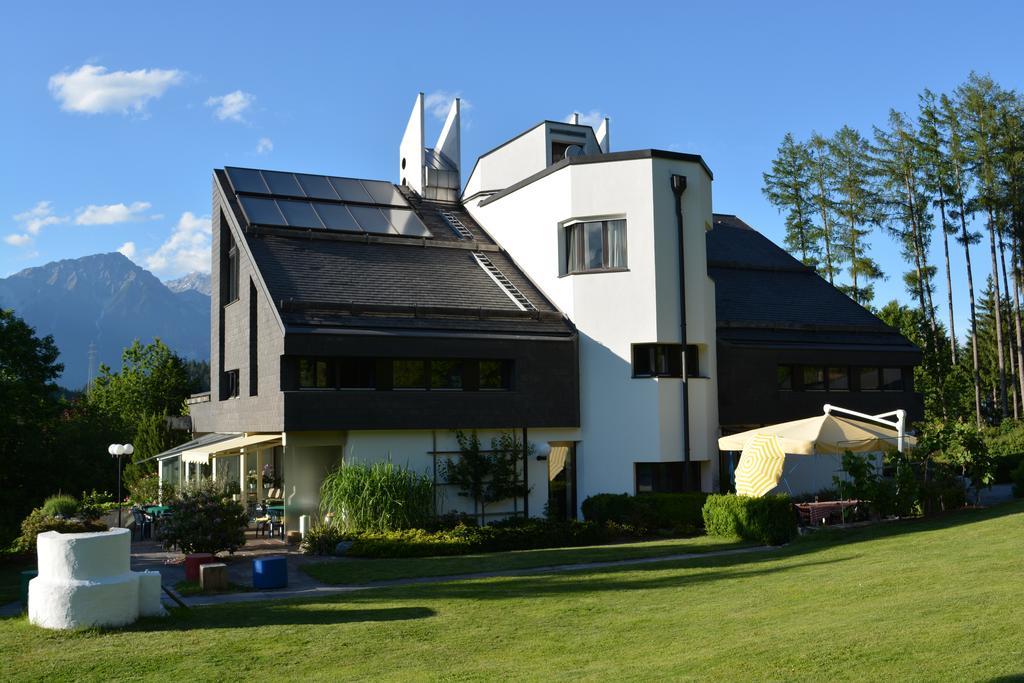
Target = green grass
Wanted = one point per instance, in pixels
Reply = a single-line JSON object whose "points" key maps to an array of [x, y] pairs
{"points": [[357, 571], [926, 600]]}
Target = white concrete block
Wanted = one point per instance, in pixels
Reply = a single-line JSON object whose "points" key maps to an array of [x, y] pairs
{"points": [[149, 594]]}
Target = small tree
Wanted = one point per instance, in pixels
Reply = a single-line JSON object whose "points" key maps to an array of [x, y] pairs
{"points": [[488, 476], [959, 444]]}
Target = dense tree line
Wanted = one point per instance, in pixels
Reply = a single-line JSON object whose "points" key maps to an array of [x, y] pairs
{"points": [[955, 163], [53, 442]]}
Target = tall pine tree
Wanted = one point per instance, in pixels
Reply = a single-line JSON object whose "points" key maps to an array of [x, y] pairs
{"points": [[857, 208], [788, 188]]}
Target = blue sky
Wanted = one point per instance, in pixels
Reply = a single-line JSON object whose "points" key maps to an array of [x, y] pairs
{"points": [[114, 114]]}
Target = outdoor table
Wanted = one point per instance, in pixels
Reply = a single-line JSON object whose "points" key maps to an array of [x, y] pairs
{"points": [[813, 513], [158, 510], [275, 508]]}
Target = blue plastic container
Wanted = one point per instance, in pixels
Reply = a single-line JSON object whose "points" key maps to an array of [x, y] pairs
{"points": [[270, 572]]}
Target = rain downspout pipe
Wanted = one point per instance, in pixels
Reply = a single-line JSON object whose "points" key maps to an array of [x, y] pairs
{"points": [[678, 188]]}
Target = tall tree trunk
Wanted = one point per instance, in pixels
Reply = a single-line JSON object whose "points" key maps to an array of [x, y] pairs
{"points": [[1019, 350], [974, 315], [1000, 359], [1015, 386], [949, 277], [919, 260]]}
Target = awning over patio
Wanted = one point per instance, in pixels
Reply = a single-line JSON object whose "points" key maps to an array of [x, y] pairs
{"points": [[821, 434], [202, 454], [199, 442]]}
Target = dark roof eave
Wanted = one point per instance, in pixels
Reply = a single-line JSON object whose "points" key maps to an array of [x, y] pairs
{"points": [[599, 159]]}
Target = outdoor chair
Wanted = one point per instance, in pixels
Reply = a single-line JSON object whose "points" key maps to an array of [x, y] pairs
{"points": [[276, 524], [262, 519], [143, 522]]}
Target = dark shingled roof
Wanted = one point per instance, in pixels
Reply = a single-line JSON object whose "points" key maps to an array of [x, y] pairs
{"points": [[765, 296], [334, 280]]}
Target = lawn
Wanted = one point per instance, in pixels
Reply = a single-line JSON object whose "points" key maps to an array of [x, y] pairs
{"points": [[925, 600], [361, 571]]}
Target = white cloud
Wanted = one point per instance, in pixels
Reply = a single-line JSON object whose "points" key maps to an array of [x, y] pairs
{"points": [[18, 240], [230, 107], [93, 90], [439, 102], [108, 214], [264, 146], [37, 218], [127, 249], [186, 250], [592, 118]]}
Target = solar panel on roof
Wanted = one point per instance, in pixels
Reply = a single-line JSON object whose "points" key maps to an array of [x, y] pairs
{"points": [[384, 193], [283, 183], [316, 186], [246, 180], [372, 220], [261, 211], [336, 217], [299, 214], [407, 223], [351, 190]]}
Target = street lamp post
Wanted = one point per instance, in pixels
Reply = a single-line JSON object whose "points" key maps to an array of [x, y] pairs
{"points": [[117, 450]]}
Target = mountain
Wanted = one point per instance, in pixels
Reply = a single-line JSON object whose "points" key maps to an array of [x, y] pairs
{"points": [[109, 301], [194, 281]]}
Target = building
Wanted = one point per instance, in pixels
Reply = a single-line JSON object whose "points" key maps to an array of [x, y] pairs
{"points": [[359, 320]]}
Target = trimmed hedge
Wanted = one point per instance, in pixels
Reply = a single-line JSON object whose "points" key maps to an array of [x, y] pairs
{"points": [[466, 540], [679, 512], [770, 519]]}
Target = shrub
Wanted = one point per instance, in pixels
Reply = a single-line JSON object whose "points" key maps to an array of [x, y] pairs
{"points": [[321, 539], [380, 497], [144, 489], [769, 519], [203, 520], [941, 493], [1017, 477], [679, 512], [39, 521], [93, 504], [465, 540], [61, 505]]}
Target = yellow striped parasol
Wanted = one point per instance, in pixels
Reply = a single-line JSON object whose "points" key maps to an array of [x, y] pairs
{"points": [[760, 466]]}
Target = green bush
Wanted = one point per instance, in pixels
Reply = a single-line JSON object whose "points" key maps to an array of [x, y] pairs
{"points": [[93, 504], [380, 497], [942, 493], [321, 539], [1017, 477], [678, 512], [61, 505], [465, 540], [39, 521], [770, 519], [203, 520]]}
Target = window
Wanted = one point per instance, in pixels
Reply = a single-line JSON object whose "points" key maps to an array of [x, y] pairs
{"points": [[495, 375], [869, 379], [892, 379], [665, 477], [231, 270], [254, 336], [838, 379], [657, 360], [814, 379], [315, 374], [409, 374], [693, 361], [784, 377], [446, 374], [357, 373], [595, 245], [230, 384]]}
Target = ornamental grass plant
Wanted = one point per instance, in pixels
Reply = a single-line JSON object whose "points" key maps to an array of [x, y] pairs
{"points": [[377, 498]]}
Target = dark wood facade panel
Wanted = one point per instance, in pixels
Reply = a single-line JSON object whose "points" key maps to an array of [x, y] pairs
{"points": [[544, 393], [748, 392]]}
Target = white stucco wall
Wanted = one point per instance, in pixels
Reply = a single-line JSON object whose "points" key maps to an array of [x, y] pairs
{"points": [[624, 420]]}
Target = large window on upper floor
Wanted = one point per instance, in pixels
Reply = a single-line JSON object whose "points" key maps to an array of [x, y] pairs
{"points": [[230, 271], [593, 246]]}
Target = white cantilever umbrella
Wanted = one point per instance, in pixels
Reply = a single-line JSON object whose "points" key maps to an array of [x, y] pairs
{"points": [[763, 449]]}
